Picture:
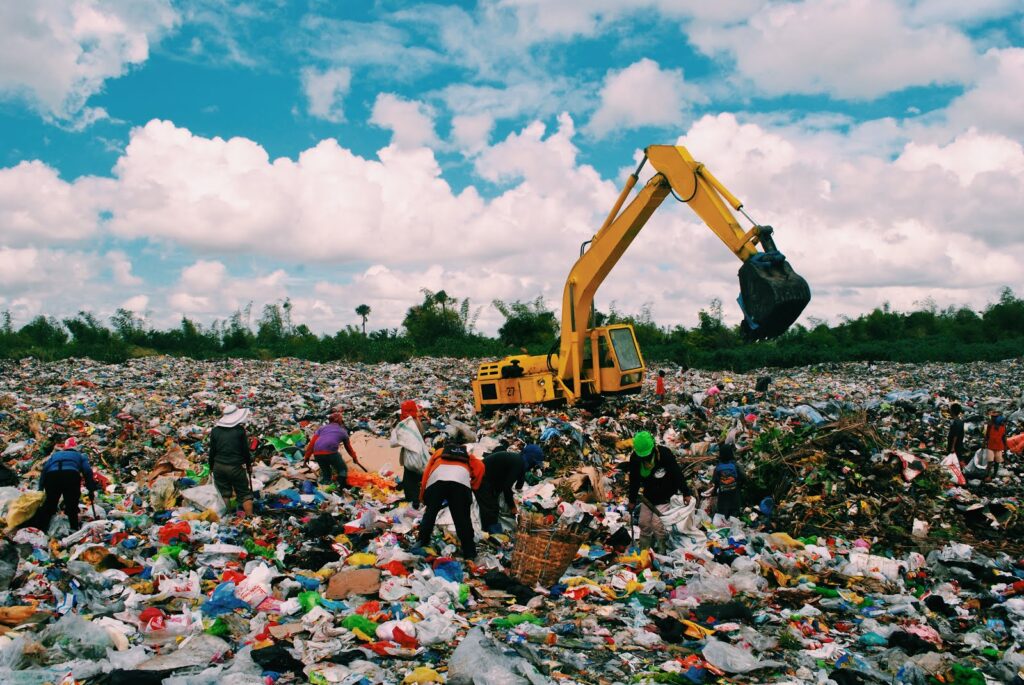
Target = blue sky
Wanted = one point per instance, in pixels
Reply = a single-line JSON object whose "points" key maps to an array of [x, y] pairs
{"points": [[184, 158]]}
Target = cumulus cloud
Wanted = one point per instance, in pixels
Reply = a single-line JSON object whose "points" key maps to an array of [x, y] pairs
{"points": [[137, 304], [471, 133], [642, 94], [37, 206], [411, 122], [868, 214], [996, 100], [850, 49], [57, 54], [326, 90], [121, 269], [206, 288]]}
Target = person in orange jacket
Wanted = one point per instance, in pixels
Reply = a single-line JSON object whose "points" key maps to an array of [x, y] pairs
{"points": [[451, 476]]}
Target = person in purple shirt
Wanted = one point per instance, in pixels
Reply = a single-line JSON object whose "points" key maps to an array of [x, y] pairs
{"points": [[324, 445]]}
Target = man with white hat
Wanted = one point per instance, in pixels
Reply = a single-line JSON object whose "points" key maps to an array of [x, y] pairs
{"points": [[230, 461]]}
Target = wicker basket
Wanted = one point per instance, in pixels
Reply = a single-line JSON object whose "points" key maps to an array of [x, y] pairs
{"points": [[542, 552]]}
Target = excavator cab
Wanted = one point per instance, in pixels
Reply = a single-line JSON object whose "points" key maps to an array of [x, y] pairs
{"points": [[772, 295], [617, 368]]}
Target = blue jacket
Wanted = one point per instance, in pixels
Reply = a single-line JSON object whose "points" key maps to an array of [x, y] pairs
{"points": [[68, 460]]}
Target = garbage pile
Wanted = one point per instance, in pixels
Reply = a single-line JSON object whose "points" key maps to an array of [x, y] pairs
{"points": [[863, 554]]}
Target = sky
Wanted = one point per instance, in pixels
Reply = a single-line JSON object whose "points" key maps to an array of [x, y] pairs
{"points": [[189, 157]]}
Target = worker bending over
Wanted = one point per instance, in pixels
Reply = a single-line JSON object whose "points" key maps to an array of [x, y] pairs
{"points": [[654, 477], [324, 446], [451, 476], [504, 471], [61, 479]]}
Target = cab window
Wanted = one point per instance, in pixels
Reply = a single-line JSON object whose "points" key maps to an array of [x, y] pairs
{"points": [[625, 349]]}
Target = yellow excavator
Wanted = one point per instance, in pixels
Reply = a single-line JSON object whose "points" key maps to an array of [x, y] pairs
{"points": [[594, 361]]}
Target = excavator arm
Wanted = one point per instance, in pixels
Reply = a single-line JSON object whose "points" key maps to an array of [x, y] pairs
{"points": [[595, 361], [771, 294]]}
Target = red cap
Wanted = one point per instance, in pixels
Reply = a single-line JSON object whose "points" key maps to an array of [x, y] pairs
{"points": [[70, 443]]}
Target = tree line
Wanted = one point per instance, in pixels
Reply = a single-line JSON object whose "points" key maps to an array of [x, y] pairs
{"points": [[441, 325]]}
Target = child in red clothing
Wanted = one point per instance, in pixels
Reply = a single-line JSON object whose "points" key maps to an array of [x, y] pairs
{"points": [[659, 389]]}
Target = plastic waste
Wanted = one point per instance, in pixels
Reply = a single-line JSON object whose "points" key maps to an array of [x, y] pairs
{"points": [[732, 659], [478, 660]]}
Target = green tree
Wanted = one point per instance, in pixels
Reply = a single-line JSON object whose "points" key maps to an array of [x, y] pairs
{"points": [[526, 323], [431, 320], [128, 326], [270, 331], [363, 311]]}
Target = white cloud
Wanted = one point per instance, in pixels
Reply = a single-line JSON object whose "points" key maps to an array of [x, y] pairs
{"points": [[851, 49], [966, 157], [930, 11], [472, 132], [136, 304], [642, 94], [37, 206], [544, 20], [411, 122], [326, 91], [121, 268], [204, 276], [56, 54], [996, 101], [868, 213]]}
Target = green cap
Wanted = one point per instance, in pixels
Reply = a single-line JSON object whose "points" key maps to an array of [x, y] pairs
{"points": [[643, 443]]}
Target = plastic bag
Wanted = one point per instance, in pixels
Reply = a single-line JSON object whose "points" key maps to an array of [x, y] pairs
{"points": [[162, 494], [22, 509], [8, 564], [256, 587], [478, 660], [223, 601], [175, 532], [952, 464], [732, 659], [206, 497], [73, 636]]}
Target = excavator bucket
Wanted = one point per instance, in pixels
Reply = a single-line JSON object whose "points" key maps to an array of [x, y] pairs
{"points": [[772, 296]]}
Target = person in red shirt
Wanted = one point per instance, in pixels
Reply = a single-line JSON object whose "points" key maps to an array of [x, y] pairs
{"points": [[995, 442], [452, 475], [659, 389]]}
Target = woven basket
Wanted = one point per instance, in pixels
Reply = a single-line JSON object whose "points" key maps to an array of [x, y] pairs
{"points": [[542, 552]]}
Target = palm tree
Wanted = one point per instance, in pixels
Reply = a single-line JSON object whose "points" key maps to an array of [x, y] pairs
{"points": [[441, 297], [363, 310]]}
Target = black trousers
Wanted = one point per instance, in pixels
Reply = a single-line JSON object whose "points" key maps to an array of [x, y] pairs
{"points": [[489, 499], [460, 503], [59, 485], [729, 504], [411, 486]]}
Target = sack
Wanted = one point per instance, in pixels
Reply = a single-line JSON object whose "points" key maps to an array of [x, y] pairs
{"points": [[206, 497], [24, 508], [952, 464], [415, 453]]}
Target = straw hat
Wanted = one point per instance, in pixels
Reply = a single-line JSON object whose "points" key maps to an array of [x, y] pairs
{"points": [[233, 416]]}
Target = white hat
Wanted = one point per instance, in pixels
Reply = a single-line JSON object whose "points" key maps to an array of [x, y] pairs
{"points": [[233, 416]]}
